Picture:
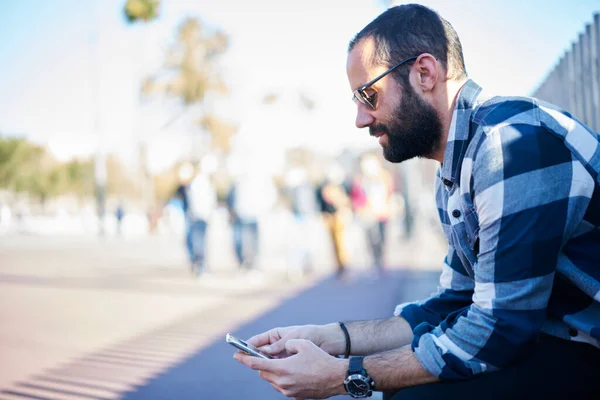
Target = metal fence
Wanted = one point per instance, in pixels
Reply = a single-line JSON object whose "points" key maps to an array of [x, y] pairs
{"points": [[574, 84]]}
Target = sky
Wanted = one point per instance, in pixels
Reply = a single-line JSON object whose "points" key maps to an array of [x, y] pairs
{"points": [[70, 70]]}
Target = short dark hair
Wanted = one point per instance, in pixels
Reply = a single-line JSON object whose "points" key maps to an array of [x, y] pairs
{"points": [[410, 30]]}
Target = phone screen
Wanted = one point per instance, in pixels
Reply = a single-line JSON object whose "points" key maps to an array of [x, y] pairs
{"points": [[245, 347]]}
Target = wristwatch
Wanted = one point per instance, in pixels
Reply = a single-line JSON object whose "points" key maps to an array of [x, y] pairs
{"points": [[358, 383]]}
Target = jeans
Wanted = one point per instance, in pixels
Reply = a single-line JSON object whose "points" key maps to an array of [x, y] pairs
{"points": [[195, 241], [376, 237], [245, 240], [336, 227]]}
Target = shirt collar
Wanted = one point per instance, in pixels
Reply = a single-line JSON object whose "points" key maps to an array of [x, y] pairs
{"points": [[459, 134]]}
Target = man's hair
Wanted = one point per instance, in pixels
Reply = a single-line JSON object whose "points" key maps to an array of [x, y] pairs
{"points": [[409, 30]]}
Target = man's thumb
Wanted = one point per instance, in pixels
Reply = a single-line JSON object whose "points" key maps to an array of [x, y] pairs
{"points": [[274, 348], [293, 345]]}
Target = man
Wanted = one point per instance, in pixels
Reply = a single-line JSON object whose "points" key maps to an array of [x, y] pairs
{"points": [[300, 193], [199, 199], [251, 195], [518, 193], [332, 197]]}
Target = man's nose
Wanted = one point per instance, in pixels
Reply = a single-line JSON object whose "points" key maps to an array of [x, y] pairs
{"points": [[363, 116]]}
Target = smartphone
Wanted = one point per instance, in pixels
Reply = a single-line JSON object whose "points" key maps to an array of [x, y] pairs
{"points": [[245, 347]]}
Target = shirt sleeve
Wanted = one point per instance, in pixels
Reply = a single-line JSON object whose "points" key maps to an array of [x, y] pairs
{"points": [[522, 179], [454, 293]]}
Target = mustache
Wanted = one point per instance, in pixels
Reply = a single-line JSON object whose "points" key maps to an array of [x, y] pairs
{"points": [[378, 129]]}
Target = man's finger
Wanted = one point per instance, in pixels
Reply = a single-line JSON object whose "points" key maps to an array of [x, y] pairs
{"points": [[294, 345], [274, 379], [259, 340], [275, 348], [280, 390], [256, 363], [269, 377]]}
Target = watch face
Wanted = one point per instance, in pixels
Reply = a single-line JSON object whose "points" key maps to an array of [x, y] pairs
{"points": [[358, 386]]}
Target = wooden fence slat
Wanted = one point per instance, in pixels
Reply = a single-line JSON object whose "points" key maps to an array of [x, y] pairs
{"points": [[574, 83]]}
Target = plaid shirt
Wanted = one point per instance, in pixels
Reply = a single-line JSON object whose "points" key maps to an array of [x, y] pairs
{"points": [[518, 195]]}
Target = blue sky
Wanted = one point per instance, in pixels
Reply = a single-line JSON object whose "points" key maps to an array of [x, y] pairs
{"points": [[69, 69]]}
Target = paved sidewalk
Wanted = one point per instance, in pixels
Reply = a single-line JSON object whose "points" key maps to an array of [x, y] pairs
{"points": [[150, 366]]}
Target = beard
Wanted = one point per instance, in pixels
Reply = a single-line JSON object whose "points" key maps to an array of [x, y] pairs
{"points": [[415, 129]]}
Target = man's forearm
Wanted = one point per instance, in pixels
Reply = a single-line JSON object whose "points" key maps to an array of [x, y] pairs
{"points": [[369, 337], [397, 369]]}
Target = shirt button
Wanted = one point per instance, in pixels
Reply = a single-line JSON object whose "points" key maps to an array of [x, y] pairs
{"points": [[456, 213], [573, 332]]}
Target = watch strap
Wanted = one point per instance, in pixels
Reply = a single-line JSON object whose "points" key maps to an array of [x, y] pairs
{"points": [[355, 366]]}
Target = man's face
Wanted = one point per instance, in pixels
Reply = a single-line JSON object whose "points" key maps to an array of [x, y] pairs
{"points": [[407, 126]]}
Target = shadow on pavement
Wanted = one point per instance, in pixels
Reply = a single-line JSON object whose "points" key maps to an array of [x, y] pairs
{"points": [[150, 366]]}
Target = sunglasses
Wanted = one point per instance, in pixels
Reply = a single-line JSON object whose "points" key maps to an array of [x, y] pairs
{"points": [[366, 94]]}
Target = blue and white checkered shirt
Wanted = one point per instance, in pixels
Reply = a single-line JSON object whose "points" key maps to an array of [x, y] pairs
{"points": [[518, 195]]}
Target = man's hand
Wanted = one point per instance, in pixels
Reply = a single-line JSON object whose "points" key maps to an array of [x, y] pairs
{"points": [[307, 373], [329, 338]]}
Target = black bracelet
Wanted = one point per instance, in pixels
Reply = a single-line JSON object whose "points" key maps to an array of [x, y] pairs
{"points": [[345, 330]]}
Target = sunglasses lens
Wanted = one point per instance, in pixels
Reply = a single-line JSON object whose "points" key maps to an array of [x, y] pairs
{"points": [[369, 96], [366, 96], [357, 97]]}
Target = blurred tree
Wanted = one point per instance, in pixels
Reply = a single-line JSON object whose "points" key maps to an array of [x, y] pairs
{"points": [[190, 73], [80, 177], [145, 10], [26, 167], [221, 131], [192, 59], [12, 153]]}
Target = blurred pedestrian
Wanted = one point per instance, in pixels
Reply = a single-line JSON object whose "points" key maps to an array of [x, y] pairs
{"points": [[334, 203], [199, 200], [119, 216], [251, 195], [301, 196]]}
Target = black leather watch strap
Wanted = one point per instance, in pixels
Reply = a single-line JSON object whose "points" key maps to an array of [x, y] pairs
{"points": [[355, 366]]}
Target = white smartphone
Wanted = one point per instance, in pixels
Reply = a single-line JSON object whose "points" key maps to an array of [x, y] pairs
{"points": [[245, 347]]}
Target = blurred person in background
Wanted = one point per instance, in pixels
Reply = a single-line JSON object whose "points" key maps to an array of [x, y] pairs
{"points": [[199, 200], [154, 216], [517, 314], [251, 195], [119, 215], [371, 202], [301, 195], [5, 218], [334, 203]]}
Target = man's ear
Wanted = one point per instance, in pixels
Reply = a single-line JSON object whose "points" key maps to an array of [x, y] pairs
{"points": [[428, 71]]}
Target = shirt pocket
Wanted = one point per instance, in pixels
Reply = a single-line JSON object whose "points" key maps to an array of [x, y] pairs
{"points": [[472, 230], [463, 249]]}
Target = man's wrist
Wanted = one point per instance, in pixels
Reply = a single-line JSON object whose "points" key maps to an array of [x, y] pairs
{"points": [[334, 341], [340, 375], [348, 346]]}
